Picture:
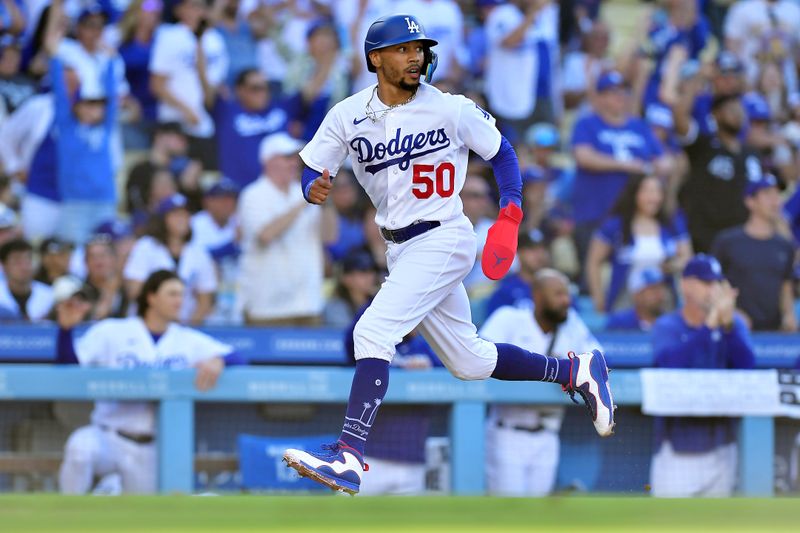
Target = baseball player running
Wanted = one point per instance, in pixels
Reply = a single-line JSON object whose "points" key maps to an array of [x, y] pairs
{"points": [[408, 143], [121, 436]]}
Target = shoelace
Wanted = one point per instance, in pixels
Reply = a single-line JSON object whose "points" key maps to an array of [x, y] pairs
{"points": [[335, 447]]}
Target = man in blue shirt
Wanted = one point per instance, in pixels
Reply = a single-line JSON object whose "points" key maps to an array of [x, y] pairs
{"points": [[609, 145], [243, 122], [515, 288], [649, 299], [697, 456]]}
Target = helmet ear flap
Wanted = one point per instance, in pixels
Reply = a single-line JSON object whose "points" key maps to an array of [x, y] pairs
{"points": [[431, 62]]}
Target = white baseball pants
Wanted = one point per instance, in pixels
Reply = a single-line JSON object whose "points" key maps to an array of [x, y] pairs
{"points": [[685, 475], [521, 463], [392, 477]]}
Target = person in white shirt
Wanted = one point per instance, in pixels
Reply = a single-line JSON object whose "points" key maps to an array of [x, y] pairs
{"points": [[216, 227], [21, 297], [282, 241], [522, 449], [175, 79], [168, 245], [120, 440]]}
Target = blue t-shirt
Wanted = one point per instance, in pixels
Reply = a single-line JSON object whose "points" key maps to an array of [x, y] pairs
{"points": [[624, 320], [136, 57], [513, 291], [43, 172], [792, 210], [240, 132], [596, 192], [351, 235], [679, 345]]}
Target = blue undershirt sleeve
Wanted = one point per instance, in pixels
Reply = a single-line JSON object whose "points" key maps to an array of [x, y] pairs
{"points": [[308, 177], [234, 359], [739, 349], [65, 349], [506, 172]]}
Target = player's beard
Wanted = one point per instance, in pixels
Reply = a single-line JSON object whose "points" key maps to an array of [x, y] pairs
{"points": [[410, 87], [555, 316]]}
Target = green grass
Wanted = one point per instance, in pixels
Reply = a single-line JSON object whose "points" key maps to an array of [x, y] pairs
{"points": [[57, 514]]}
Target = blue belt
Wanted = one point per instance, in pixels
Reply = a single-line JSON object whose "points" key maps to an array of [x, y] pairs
{"points": [[409, 232]]}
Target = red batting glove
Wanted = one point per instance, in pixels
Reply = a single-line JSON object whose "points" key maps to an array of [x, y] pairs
{"points": [[501, 243]]}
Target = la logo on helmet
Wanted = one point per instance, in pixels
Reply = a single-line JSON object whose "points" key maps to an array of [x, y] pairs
{"points": [[413, 27]]}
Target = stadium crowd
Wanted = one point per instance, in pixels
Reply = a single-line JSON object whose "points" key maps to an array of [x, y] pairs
{"points": [[142, 135]]}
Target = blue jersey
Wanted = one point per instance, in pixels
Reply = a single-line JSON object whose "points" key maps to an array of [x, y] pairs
{"points": [[679, 345], [624, 320], [240, 132], [596, 192], [513, 291]]}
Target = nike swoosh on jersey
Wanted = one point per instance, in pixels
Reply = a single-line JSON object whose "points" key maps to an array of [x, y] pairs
{"points": [[350, 462], [356, 122]]}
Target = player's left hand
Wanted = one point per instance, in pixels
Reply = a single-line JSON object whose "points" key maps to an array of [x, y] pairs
{"points": [[320, 188], [208, 372], [501, 242]]}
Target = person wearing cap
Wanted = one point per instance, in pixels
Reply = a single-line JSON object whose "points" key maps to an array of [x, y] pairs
{"points": [[216, 227], [119, 236], [15, 86], [103, 285], [583, 66], [764, 136], [515, 288], [21, 297], [168, 245], [175, 80], [609, 144], [721, 163], [54, 259], [522, 452], [282, 241], [759, 262], [697, 456], [649, 299], [522, 65], [639, 234], [355, 287]]}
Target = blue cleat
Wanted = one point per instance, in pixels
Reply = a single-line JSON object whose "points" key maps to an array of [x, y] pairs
{"points": [[337, 466], [589, 378]]}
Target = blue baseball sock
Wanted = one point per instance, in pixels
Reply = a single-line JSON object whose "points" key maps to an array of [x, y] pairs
{"points": [[366, 394], [516, 364]]}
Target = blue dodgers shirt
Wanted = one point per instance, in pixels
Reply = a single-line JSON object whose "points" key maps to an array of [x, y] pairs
{"points": [[624, 320], [596, 192], [513, 291], [679, 345], [240, 132]]}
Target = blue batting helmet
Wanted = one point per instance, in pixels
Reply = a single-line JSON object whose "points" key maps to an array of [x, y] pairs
{"points": [[397, 29]]}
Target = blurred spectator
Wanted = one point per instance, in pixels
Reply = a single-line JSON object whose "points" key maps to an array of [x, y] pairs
{"points": [[765, 30], [243, 122], [54, 260], [659, 116], [168, 245], [146, 185], [12, 17], [376, 244], [135, 37], [103, 282], [175, 78], [582, 67], [317, 79], [609, 144], [21, 297], [649, 299], [767, 139], [479, 209], [515, 288], [9, 226], [35, 57], [356, 284], [238, 36], [639, 235], [759, 262], [727, 79], [720, 166], [282, 241], [346, 198], [15, 86], [444, 22], [697, 456], [84, 132], [216, 227], [522, 441], [522, 71], [120, 236], [356, 18], [121, 436]]}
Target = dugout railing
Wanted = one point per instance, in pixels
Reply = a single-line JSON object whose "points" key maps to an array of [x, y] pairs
{"points": [[176, 397]]}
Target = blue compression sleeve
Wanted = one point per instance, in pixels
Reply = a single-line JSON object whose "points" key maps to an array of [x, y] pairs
{"points": [[506, 172], [65, 349], [308, 177], [234, 359]]}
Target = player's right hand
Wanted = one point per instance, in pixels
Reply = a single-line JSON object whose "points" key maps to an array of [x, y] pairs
{"points": [[320, 188]]}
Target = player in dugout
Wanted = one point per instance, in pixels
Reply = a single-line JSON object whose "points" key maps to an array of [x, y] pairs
{"points": [[120, 440]]}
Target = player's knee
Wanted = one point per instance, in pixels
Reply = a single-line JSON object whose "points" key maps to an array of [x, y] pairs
{"points": [[81, 446]]}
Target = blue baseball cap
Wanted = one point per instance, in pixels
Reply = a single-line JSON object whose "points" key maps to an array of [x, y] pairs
{"points": [[115, 229], [660, 116], [610, 80], [358, 261], [489, 3], [756, 107], [223, 187], [703, 267], [542, 134], [767, 181], [729, 63], [641, 279], [92, 10], [170, 203]]}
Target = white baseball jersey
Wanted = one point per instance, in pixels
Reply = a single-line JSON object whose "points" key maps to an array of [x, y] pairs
{"points": [[126, 343], [412, 162]]}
